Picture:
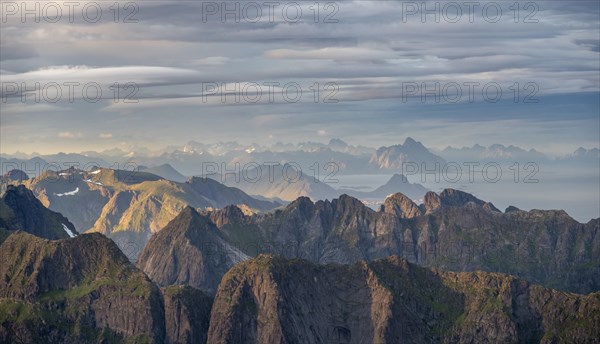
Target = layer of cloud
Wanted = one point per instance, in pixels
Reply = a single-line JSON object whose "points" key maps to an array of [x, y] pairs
{"points": [[370, 53]]}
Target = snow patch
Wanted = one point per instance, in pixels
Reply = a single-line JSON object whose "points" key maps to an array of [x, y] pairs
{"points": [[95, 172], [69, 232], [70, 193], [93, 182], [64, 174]]}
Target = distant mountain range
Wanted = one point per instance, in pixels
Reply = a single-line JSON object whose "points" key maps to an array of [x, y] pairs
{"points": [[165, 171], [191, 158], [287, 183], [411, 151], [494, 152], [582, 154]]}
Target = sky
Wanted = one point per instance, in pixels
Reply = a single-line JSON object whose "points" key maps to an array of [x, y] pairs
{"points": [[369, 72]]}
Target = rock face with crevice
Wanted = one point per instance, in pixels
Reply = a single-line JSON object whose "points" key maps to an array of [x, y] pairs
{"points": [[273, 300], [187, 315]]}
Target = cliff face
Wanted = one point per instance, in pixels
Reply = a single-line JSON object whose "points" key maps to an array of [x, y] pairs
{"points": [[84, 290], [190, 251], [80, 289], [187, 315], [273, 300], [452, 231], [21, 210]]}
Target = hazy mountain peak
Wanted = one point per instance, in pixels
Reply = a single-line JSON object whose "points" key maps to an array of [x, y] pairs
{"points": [[15, 175], [409, 141], [336, 143]]}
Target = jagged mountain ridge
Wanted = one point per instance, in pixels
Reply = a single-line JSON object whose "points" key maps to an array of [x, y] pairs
{"points": [[58, 291], [452, 230], [273, 300]]}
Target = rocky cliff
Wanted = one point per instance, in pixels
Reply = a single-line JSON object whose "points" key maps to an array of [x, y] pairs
{"points": [[189, 251], [187, 315], [273, 300], [75, 290], [84, 290], [21, 210]]}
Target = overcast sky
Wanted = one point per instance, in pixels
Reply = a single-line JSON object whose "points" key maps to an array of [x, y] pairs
{"points": [[364, 57]]}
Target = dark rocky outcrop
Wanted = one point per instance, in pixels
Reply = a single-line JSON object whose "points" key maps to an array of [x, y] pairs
{"points": [[75, 290], [84, 290], [21, 210], [273, 300], [187, 315]]}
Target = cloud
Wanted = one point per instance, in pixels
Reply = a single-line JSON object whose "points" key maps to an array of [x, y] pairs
{"points": [[69, 135], [321, 132], [369, 53], [332, 53], [105, 135]]}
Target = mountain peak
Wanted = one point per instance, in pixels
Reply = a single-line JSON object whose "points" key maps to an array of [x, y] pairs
{"points": [[197, 255], [457, 198], [338, 143], [398, 178], [453, 198], [15, 175], [401, 206], [348, 202], [188, 219], [431, 202], [409, 141], [301, 202]]}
